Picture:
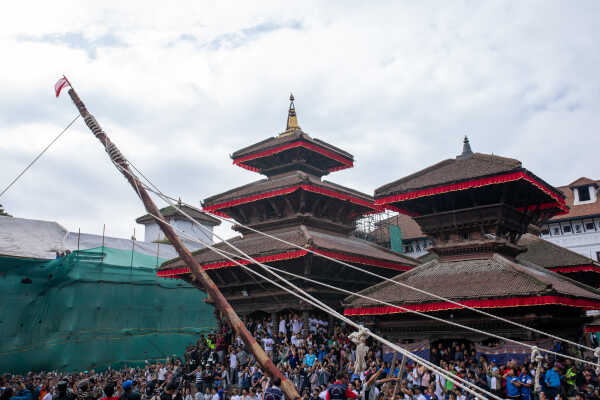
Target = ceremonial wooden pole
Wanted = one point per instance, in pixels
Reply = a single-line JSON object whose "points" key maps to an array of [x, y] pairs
{"points": [[402, 364], [198, 273]]}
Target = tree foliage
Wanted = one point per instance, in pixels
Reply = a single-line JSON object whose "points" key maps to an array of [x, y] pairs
{"points": [[4, 213]]}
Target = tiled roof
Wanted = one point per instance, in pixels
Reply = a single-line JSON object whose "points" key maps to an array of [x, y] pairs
{"points": [[580, 210], [451, 170], [282, 181], [172, 211], [493, 277], [287, 138], [582, 181], [546, 254], [408, 226], [258, 245]]}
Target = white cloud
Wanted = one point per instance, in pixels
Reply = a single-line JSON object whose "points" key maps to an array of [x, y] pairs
{"points": [[179, 88]]}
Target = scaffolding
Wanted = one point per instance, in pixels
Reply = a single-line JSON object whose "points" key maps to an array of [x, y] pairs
{"points": [[375, 227]]}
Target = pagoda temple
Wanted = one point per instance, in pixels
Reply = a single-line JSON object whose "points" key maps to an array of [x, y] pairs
{"points": [[476, 208], [295, 204]]}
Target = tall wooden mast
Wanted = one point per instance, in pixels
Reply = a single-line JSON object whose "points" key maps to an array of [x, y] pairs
{"points": [[198, 273]]}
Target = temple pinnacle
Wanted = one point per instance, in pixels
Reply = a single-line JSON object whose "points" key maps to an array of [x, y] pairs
{"points": [[466, 148], [292, 121]]}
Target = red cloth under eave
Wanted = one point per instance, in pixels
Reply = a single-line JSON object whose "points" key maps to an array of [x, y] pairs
{"points": [[169, 273], [576, 268], [281, 192], [488, 303], [559, 202], [345, 163]]}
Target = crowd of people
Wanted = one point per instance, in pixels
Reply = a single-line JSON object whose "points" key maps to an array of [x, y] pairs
{"points": [[318, 359]]}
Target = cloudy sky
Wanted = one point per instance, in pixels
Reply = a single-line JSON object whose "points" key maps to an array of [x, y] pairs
{"points": [[397, 84]]}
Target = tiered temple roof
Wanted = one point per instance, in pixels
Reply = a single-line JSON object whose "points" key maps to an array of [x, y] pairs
{"points": [[294, 204], [293, 149], [476, 209]]}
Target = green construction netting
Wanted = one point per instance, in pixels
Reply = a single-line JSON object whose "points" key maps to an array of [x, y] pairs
{"points": [[396, 238], [93, 309]]}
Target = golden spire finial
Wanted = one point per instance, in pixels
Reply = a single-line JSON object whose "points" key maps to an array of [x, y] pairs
{"points": [[292, 121]]}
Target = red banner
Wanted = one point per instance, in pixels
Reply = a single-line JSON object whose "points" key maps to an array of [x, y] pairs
{"points": [[250, 199], [491, 303], [281, 192], [576, 268], [290, 255], [221, 264], [493, 180], [345, 162]]}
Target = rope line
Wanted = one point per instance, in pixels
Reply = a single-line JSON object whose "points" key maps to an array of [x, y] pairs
{"points": [[247, 257], [426, 315], [514, 323], [38, 157], [318, 304]]}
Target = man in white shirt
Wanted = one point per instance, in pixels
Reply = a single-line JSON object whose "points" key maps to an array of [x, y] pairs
{"points": [[296, 324], [294, 340], [440, 385], [268, 345], [232, 366], [282, 323], [162, 373]]}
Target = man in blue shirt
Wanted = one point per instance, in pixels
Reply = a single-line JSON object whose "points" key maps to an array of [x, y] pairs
{"points": [[552, 380], [322, 353], [526, 384], [309, 359], [512, 384]]}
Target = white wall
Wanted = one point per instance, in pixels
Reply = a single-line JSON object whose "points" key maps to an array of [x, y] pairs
{"points": [[152, 231], [580, 240]]}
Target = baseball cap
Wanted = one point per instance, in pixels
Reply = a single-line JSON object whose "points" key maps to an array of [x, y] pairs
{"points": [[127, 384]]}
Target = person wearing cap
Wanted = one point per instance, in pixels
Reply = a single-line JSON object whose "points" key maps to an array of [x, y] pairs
{"points": [[493, 374], [127, 388], [552, 380]]}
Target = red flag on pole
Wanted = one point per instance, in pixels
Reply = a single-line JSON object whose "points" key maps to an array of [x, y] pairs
{"points": [[60, 84]]}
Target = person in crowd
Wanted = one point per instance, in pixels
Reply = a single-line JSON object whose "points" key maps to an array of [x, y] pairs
{"points": [[309, 353], [552, 380]]}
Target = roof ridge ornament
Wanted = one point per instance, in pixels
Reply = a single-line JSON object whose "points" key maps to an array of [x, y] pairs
{"points": [[292, 121], [467, 152]]}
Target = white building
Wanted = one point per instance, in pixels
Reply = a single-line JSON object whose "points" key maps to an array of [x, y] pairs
{"points": [[579, 230], [183, 226]]}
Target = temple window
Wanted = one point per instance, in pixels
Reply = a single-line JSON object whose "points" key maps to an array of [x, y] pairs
{"points": [[589, 226], [566, 228], [584, 193], [556, 231]]}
